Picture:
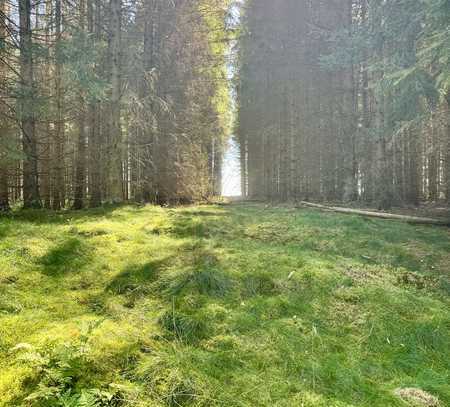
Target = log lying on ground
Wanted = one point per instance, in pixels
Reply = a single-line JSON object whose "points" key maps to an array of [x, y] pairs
{"points": [[382, 215]]}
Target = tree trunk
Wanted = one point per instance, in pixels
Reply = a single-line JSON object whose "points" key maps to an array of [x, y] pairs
{"points": [[146, 139], [414, 165], [217, 165], [80, 170], [95, 139], [283, 183], [243, 162], [381, 215], [115, 170], [433, 159], [4, 198], [58, 160], [46, 139], [31, 198], [447, 152], [384, 178]]}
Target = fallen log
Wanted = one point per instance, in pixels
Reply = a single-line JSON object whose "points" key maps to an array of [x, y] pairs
{"points": [[381, 215]]}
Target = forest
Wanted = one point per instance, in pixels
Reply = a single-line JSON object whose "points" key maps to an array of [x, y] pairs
{"points": [[231, 203], [346, 101], [111, 101]]}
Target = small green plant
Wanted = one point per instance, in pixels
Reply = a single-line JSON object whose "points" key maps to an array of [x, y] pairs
{"points": [[60, 371], [168, 382], [208, 282], [260, 284], [183, 327]]}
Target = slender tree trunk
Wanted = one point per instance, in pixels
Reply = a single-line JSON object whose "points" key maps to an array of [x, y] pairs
{"points": [[46, 140], [80, 170], [414, 164], [95, 164], [31, 198], [367, 158], [447, 148], [433, 160], [94, 138], [243, 162], [283, 146], [4, 197], [384, 179], [217, 173], [349, 121], [116, 170], [46, 184], [147, 133], [58, 171]]}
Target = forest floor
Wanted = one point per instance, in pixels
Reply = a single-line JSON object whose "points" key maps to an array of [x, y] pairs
{"points": [[235, 305]]}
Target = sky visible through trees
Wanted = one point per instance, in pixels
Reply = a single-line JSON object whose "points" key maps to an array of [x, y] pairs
{"points": [[231, 183]]}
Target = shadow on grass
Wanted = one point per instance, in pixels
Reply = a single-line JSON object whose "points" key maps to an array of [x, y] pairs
{"points": [[199, 224], [42, 217], [5, 227], [334, 346], [69, 256], [371, 241], [135, 277], [202, 213]]}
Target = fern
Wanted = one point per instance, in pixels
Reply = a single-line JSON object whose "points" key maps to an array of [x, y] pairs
{"points": [[60, 369]]}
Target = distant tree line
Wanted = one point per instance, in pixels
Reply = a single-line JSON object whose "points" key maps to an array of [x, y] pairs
{"points": [[345, 101], [111, 100]]}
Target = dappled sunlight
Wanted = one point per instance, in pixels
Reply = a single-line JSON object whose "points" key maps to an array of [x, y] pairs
{"points": [[206, 298]]}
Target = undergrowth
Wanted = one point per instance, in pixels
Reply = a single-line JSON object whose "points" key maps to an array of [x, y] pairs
{"points": [[239, 305]]}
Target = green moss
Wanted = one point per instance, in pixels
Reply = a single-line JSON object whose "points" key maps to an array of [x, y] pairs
{"points": [[236, 305]]}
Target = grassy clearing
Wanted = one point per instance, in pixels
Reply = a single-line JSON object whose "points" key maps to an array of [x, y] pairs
{"points": [[220, 306]]}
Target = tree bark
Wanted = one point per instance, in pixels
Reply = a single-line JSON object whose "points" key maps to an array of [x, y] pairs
{"points": [[80, 170], [115, 170], [413, 170], [381, 215], [447, 148], [94, 136], [58, 160], [4, 197], [31, 198], [217, 167], [46, 140], [433, 160], [146, 139], [243, 162]]}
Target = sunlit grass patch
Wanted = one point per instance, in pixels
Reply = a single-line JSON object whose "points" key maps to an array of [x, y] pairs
{"points": [[236, 305]]}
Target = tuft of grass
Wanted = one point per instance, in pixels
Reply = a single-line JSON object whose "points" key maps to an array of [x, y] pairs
{"points": [[185, 328], [207, 282], [259, 284], [134, 277], [168, 383]]}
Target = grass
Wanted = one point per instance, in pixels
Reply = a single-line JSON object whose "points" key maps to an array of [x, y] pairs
{"points": [[236, 305]]}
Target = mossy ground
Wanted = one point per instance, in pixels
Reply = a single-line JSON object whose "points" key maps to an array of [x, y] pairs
{"points": [[236, 305]]}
